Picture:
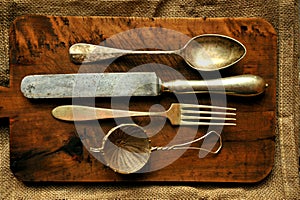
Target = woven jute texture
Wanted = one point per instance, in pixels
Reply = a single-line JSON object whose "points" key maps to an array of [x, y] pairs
{"points": [[282, 183]]}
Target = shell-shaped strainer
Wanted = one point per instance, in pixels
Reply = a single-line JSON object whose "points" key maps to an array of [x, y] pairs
{"points": [[126, 148]]}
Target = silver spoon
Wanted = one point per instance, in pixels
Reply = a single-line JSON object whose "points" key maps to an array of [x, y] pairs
{"points": [[208, 52]]}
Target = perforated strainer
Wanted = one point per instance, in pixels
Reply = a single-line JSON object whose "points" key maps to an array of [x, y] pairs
{"points": [[126, 148]]}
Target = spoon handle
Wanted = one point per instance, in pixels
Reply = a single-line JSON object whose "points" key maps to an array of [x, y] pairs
{"points": [[82, 52], [242, 85]]}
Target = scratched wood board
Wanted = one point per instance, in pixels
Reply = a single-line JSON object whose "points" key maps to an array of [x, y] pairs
{"points": [[45, 149]]}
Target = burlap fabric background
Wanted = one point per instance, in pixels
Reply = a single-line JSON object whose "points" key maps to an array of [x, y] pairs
{"points": [[283, 182]]}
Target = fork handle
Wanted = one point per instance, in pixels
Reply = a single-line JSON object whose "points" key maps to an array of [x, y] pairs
{"points": [[242, 85], [83, 113]]}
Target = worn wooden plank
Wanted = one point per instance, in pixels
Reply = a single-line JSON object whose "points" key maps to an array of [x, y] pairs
{"points": [[45, 149]]}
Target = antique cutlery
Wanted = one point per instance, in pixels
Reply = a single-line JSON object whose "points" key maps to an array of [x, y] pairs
{"points": [[208, 52], [178, 114], [126, 148], [133, 84]]}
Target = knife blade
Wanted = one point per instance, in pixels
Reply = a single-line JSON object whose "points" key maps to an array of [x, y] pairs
{"points": [[133, 84]]}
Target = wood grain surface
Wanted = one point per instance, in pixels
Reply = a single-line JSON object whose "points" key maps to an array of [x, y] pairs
{"points": [[45, 149]]}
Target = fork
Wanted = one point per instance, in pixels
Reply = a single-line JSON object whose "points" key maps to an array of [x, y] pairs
{"points": [[178, 114]]}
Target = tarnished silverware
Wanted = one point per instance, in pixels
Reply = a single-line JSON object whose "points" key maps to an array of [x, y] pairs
{"points": [[126, 148], [208, 52], [133, 84], [178, 114]]}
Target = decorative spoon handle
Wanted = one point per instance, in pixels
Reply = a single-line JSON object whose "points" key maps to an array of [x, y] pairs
{"points": [[82, 52]]}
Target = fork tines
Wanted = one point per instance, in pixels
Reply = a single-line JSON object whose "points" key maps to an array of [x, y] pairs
{"points": [[192, 114]]}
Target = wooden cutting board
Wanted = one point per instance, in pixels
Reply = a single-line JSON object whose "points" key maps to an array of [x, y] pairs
{"points": [[45, 149]]}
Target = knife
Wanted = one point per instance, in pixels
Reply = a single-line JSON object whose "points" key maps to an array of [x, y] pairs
{"points": [[133, 84]]}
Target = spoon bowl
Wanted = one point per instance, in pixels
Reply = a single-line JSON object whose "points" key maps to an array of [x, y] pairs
{"points": [[208, 52], [212, 52]]}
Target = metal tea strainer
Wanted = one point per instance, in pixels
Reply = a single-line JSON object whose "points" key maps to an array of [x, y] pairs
{"points": [[126, 148]]}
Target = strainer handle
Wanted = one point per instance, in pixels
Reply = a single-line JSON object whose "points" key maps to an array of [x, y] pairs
{"points": [[184, 146]]}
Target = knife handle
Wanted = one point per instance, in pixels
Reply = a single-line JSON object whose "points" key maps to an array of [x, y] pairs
{"points": [[242, 85]]}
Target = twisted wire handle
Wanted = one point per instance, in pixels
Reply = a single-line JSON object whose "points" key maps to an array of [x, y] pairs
{"points": [[184, 145]]}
